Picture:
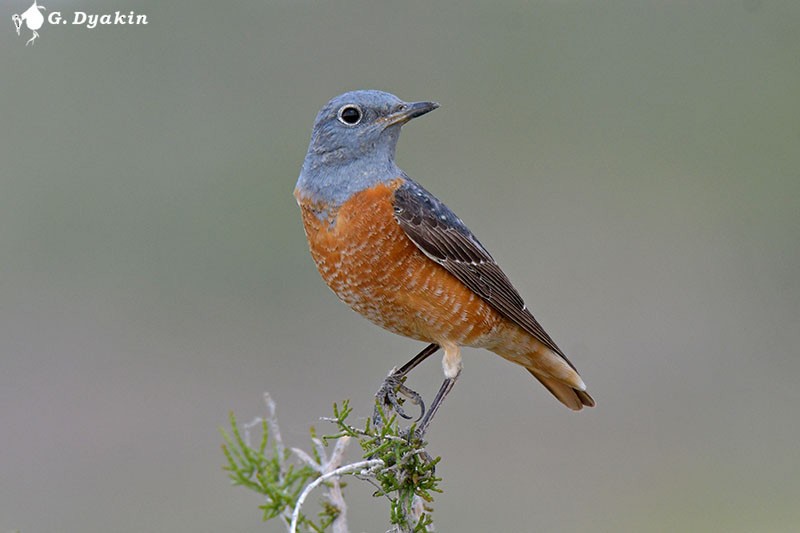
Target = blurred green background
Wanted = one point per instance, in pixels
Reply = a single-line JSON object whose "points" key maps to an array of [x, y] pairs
{"points": [[633, 165]]}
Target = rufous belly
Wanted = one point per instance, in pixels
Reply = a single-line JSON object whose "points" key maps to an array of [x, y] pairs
{"points": [[369, 262]]}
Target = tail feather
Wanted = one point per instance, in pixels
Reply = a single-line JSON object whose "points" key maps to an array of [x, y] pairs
{"points": [[573, 398]]}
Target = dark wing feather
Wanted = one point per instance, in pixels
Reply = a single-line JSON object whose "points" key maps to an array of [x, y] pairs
{"points": [[444, 238]]}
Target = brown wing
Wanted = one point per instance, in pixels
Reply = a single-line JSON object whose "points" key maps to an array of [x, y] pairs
{"points": [[445, 239]]}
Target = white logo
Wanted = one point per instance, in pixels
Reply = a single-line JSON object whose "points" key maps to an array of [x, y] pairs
{"points": [[32, 18]]}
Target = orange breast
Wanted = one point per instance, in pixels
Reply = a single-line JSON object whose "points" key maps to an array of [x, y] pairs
{"points": [[369, 262]]}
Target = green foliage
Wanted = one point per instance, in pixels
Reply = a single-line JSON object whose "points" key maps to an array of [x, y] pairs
{"points": [[408, 470], [395, 462], [272, 475]]}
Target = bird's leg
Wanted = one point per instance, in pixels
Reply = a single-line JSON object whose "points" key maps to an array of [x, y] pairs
{"points": [[418, 435], [444, 390], [394, 383], [451, 365], [30, 41]]}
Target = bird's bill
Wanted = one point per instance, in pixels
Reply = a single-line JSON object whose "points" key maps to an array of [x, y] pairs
{"points": [[409, 111]]}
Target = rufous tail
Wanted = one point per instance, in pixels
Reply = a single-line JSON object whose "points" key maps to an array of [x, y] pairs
{"points": [[573, 398]]}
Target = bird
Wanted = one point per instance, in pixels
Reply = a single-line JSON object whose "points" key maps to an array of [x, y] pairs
{"points": [[400, 257], [33, 20]]}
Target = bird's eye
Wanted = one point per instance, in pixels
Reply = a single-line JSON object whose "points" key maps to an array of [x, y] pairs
{"points": [[350, 115]]}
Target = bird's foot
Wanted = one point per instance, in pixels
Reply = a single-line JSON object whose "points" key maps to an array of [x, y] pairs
{"points": [[415, 436], [388, 395]]}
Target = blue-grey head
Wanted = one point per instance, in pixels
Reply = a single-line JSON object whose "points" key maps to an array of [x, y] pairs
{"points": [[353, 144]]}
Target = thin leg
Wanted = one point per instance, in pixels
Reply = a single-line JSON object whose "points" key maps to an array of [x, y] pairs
{"points": [[416, 360], [387, 394], [444, 390]]}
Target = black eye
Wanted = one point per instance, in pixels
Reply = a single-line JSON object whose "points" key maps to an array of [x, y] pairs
{"points": [[350, 115]]}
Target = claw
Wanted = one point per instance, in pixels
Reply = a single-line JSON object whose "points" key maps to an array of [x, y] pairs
{"points": [[395, 383], [414, 397], [387, 396]]}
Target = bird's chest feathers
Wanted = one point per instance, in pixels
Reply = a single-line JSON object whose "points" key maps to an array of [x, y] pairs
{"points": [[367, 259], [359, 248]]}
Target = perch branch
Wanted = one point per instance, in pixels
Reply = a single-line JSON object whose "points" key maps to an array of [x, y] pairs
{"points": [[361, 466]]}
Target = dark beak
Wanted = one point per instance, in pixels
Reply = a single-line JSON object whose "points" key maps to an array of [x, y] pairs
{"points": [[409, 111]]}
